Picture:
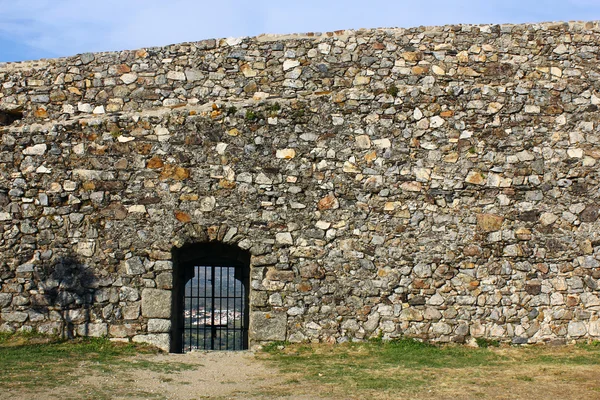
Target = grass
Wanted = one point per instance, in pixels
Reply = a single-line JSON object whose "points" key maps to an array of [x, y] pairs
{"points": [[409, 367], [34, 362], [31, 364]]}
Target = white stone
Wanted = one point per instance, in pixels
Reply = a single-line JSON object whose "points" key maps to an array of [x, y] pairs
{"points": [[436, 300], [436, 121], [85, 107], [79, 149], [128, 78], [323, 225], [561, 49], [285, 153], [98, 110], [525, 156], [138, 208], [69, 186], [260, 96], [417, 114], [176, 75], [221, 147], [363, 142], [289, 64], [86, 249], [575, 153], [576, 329], [234, 41], [324, 48], [284, 238], [36, 150], [4, 216], [208, 204], [423, 174], [532, 109], [548, 218], [161, 131], [382, 143], [263, 179], [87, 174], [438, 70], [337, 120]]}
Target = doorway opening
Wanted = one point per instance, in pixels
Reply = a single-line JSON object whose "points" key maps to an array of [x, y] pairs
{"points": [[211, 298]]}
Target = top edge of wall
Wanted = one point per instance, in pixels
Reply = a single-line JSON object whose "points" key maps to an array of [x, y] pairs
{"points": [[207, 44]]}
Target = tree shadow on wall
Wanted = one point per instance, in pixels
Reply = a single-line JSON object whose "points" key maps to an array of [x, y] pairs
{"points": [[67, 293]]}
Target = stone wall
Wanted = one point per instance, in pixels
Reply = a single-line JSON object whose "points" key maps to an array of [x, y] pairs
{"points": [[435, 182]]}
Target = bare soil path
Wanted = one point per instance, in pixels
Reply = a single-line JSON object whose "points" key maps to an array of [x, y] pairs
{"points": [[197, 375]]}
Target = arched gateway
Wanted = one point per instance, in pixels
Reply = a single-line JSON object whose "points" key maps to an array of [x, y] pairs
{"points": [[210, 298]]}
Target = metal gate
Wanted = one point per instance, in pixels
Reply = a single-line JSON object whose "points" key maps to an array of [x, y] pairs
{"points": [[216, 309]]}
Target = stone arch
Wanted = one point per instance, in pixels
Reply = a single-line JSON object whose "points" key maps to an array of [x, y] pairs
{"points": [[213, 279]]}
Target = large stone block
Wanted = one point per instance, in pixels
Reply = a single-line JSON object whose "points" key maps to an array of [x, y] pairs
{"points": [[268, 326], [156, 303], [161, 340], [159, 325], [94, 330]]}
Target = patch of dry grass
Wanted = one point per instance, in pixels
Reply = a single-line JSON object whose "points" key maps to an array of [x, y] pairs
{"points": [[415, 370]]}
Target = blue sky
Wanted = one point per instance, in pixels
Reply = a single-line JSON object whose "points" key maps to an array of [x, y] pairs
{"points": [[32, 29]]}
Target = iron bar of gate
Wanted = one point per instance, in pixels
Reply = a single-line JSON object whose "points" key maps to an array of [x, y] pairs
{"points": [[234, 309], [217, 302], [227, 314], [205, 315]]}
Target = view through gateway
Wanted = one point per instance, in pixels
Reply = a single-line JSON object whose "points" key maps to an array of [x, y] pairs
{"points": [[215, 309]]}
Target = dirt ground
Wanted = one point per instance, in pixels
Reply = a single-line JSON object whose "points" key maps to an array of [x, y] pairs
{"points": [[207, 375], [245, 375]]}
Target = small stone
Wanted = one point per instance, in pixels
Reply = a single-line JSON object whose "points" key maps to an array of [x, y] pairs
{"points": [[154, 163], [475, 178], [323, 225], [182, 216], [438, 70], [412, 186], [561, 49], [576, 329], [176, 75], [289, 64], [548, 218], [489, 222], [286, 154], [284, 238], [138, 208], [494, 107], [328, 202], [363, 142], [128, 78], [87, 58], [134, 266], [36, 150], [86, 249]]}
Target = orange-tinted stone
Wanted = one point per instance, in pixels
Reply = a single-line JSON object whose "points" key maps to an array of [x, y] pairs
{"points": [[489, 222], [40, 113], [328, 202], [123, 69], [154, 163], [182, 217]]}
